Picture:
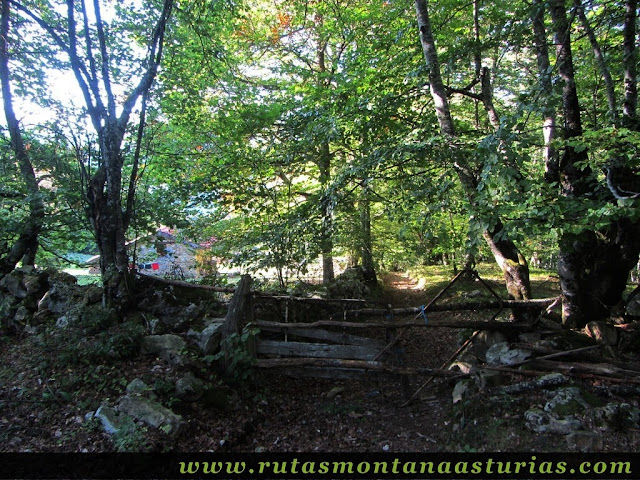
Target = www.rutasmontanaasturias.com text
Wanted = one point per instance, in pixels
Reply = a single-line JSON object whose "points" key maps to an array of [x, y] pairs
{"points": [[396, 466]]}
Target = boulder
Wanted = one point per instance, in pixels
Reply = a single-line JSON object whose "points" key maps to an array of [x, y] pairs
{"points": [[619, 416], [169, 347], [36, 283], [58, 276], [540, 421], [137, 387], [60, 299], [208, 340], [566, 401], [110, 419], [62, 322], [12, 284], [22, 315], [151, 413], [491, 337], [92, 295], [189, 388]]}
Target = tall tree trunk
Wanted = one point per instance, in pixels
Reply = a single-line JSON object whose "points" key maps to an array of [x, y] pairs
{"points": [[602, 63], [513, 264], [550, 155], [368, 266], [25, 247], [630, 56], [326, 214], [593, 266], [572, 260], [92, 66], [324, 165]]}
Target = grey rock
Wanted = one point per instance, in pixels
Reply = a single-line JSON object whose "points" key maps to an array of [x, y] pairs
{"points": [[567, 401], [35, 284], [551, 380], [619, 416], [151, 413], [168, 347], [193, 311], [93, 295], [208, 340], [60, 299], [137, 387], [31, 330], [501, 354], [110, 419], [58, 277], [22, 315], [189, 388], [62, 322], [477, 350], [156, 327], [582, 441], [540, 421], [12, 283]]}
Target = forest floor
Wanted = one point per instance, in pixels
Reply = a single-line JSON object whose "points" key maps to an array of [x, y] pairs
{"points": [[45, 408]]}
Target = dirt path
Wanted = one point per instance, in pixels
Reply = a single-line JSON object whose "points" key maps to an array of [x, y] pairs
{"points": [[402, 291]]}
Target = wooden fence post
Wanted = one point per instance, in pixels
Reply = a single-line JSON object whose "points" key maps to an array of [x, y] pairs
{"points": [[240, 311]]}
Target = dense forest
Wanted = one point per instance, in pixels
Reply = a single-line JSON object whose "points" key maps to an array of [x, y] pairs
{"points": [[428, 207], [393, 133]]}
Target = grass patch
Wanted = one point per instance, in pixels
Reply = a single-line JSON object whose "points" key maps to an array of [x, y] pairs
{"points": [[544, 283]]}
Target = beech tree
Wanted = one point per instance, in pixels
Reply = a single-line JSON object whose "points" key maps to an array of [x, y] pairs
{"points": [[113, 79], [512, 263], [594, 263]]}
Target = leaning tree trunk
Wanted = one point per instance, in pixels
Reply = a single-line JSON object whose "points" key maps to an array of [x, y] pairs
{"points": [[25, 247], [511, 261]]}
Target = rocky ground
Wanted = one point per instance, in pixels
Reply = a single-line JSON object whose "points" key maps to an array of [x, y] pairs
{"points": [[77, 380]]}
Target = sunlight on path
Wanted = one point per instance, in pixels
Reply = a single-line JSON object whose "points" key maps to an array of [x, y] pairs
{"points": [[403, 291]]}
